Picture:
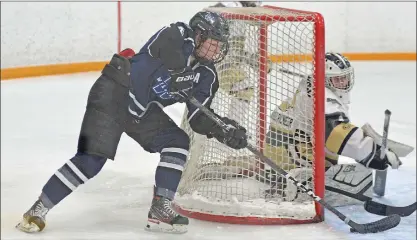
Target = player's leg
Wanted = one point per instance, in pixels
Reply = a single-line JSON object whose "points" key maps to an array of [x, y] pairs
{"points": [[99, 137], [157, 132]]}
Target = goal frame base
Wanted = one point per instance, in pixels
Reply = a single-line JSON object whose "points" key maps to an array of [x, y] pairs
{"points": [[245, 220]]}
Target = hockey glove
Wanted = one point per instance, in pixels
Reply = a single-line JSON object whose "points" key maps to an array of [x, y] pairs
{"points": [[181, 83], [390, 159], [235, 138]]}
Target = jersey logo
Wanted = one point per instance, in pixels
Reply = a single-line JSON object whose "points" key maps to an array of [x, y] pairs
{"points": [[349, 168], [161, 88], [185, 79], [196, 78]]}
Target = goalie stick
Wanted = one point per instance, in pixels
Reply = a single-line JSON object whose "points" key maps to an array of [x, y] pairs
{"points": [[372, 227], [386, 210], [376, 207], [381, 175]]}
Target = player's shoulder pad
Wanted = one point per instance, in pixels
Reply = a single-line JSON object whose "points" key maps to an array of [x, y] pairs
{"points": [[184, 29]]}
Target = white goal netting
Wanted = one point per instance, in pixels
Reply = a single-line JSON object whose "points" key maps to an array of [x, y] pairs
{"points": [[222, 184]]}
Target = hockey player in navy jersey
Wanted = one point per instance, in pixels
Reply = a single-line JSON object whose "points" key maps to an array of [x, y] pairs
{"points": [[177, 62]]}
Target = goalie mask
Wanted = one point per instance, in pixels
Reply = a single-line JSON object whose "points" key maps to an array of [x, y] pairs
{"points": [[340, 76], [211, 36]]}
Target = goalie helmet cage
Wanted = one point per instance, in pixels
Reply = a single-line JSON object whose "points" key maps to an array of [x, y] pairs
{"points": [[220, 184]]}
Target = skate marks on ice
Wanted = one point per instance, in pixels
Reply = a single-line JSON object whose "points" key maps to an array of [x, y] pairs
{"points": [[95, 212], [112, 206]]}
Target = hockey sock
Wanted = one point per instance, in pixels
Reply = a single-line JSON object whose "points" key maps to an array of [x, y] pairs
{"points": [[169, 171], [78, 170]]}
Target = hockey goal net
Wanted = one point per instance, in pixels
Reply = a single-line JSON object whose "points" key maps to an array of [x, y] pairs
{"points": [[234, 186]]}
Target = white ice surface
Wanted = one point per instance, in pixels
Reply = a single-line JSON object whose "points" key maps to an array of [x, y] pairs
{"points": [[40, 122]]}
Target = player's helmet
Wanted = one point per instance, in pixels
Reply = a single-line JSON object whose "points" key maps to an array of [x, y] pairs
{"points": [[212, 36], [251, 3], [340, 76]]}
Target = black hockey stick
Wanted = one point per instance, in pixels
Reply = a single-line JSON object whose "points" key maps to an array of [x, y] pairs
{"points": [[381, 175], [372, 227], [386, 210], [376, 207]]}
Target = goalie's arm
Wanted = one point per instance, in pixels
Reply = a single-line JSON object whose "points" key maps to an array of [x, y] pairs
{"points": [[346, 139]]}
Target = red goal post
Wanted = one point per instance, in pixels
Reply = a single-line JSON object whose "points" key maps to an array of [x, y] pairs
{"points": [[263, 40]]}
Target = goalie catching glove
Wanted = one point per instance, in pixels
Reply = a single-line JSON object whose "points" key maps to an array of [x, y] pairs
{"points": [[235, 137], [375, 161]]}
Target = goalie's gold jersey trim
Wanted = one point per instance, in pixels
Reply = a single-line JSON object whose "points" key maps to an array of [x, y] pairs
{"points": [[67, 68]]}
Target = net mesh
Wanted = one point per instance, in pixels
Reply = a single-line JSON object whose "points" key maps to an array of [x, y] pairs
{"points": [[218, 180]]}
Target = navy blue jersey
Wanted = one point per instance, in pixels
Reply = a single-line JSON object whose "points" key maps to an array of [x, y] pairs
{"points": [[170, 48]]}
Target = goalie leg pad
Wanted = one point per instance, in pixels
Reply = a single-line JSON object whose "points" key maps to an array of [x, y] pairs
{"points": [[347, 183]]}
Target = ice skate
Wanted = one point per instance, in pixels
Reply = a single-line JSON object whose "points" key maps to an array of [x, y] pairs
{"points": [[34, 219], [162, 218]]}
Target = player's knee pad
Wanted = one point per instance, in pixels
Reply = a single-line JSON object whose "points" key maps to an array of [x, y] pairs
{"points": [[100, 134], [178, 138], [170, 138]]}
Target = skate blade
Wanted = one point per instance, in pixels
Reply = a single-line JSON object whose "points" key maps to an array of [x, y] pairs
{"points": [[27, 227], [158, 226]]}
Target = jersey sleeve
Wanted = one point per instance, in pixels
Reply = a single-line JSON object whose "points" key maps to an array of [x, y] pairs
{"points": [[343, 137], [204, 91], [167, 45]]}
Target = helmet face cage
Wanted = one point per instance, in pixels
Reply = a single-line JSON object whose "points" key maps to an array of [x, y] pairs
{"points": [[340, 74], [212, 32]]}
